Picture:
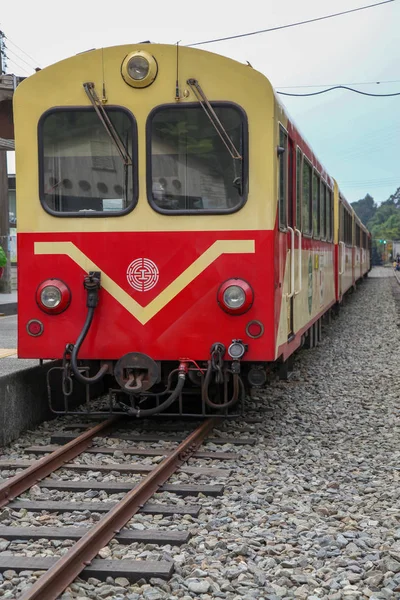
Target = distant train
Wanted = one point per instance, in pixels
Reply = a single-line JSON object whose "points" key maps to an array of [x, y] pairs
{"points": [[174, 225]]}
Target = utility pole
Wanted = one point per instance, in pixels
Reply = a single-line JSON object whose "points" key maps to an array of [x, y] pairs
{"points": [[2, 52], [5, 281]]}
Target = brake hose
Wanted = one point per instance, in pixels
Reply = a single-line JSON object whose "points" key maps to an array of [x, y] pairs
{"points": [[237, 384], [91, 284], [148, 412]]}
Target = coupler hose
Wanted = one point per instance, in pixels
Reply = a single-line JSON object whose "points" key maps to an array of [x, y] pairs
{"points": [[148, 412], [91, 284], [237, 384]]}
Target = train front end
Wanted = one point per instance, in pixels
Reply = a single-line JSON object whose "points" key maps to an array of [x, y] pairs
{"points": [[145, 240]]}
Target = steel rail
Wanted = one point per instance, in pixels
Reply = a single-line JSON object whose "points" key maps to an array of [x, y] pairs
{"points": [[13, 487], [57, 578]]}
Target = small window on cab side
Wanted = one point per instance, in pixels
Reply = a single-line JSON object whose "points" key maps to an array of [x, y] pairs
{"points": [[306, 197], [283, 177], [316, 204], [329, 214], [323, 211]]}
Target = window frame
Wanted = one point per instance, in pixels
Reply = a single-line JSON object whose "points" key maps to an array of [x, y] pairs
{"points": [[309, 233], [322, 210], [358, 235], [283, 158], [329, 214], [345, 225], [134, 153], [316, 176], [245, 152]]}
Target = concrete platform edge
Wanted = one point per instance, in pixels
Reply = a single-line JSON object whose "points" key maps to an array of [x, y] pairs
{"points": [[24, 402], [9, 308]]}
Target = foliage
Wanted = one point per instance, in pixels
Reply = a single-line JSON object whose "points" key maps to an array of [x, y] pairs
{"points": [[3, 258], [365, 208], [384, 220]]}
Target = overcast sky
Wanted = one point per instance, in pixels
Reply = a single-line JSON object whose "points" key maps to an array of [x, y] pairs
{"points": [[356, 137]]}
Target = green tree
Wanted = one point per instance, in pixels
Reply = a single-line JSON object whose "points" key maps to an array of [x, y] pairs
{"points": [[385, 223], [365, 208]]}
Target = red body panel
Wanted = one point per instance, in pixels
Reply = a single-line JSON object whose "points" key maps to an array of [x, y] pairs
{"points": [[186, 326]]}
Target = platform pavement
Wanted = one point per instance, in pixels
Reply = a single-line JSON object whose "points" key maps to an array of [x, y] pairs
{"points": [[8, 303], [23, 387], [9, 363]]}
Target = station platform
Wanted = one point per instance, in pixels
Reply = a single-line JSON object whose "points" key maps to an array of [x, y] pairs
{"points": [[8, 303], [9, 363], [23, 397], [23, 387]]}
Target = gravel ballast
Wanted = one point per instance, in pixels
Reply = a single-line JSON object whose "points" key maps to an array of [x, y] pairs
{"points": [[310, 512]]}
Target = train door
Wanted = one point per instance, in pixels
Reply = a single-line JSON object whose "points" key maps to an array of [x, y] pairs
{"points": [[291, 229], [353, 250], [342, 249], [286, 231]]}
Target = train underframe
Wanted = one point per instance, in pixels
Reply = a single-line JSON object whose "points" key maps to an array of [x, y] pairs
{"points": [[140, 387]]}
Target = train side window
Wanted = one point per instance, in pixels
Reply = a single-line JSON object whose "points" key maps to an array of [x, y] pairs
{"points": [[81, 171], [323, 212], [358, 235], [328, 215], [299, 164], [283, 178], [190, 170], [316, 204], [341, 222], [306, 197], [347, 227]]}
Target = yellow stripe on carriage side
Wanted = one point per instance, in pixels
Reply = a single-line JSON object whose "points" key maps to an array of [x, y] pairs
{"points": [[144, 313]]}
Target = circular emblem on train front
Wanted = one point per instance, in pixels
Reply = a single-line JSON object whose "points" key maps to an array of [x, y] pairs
{"points": [[142, 274]]}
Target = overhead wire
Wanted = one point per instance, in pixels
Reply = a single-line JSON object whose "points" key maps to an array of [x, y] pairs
{"points": [[321, 85], [12, 60], [36, 63], [298, 23], [375, 185], [369, 181], [9, 50], [339, 87]]}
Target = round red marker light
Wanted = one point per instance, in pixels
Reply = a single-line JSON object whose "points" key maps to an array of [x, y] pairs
{"points": [[34, 327], [255, 329]]}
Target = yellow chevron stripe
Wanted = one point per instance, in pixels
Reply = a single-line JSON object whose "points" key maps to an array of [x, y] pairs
{"points": [[144, 313]]}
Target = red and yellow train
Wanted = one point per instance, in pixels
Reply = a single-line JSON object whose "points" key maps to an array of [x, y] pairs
{"points": [[173, 224]]}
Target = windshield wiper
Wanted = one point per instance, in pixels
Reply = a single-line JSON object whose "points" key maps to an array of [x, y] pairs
{"points": [[220, 129], [213, 118], [106, 121]]}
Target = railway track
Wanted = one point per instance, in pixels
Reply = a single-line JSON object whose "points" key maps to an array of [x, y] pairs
{"points": [[78, 453]]}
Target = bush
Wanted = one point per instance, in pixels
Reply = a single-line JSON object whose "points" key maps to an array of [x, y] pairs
{"points": [[3, 258]]}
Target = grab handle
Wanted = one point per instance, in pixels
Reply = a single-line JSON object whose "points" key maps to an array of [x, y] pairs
{"points": [[298, 232], [291, 263]]}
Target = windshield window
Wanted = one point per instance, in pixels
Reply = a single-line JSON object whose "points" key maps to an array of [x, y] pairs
{"points": [[82, 171], [190, 169]]}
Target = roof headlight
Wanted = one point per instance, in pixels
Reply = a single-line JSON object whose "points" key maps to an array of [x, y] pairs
{"points": [[139, 69]]}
